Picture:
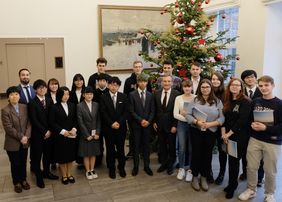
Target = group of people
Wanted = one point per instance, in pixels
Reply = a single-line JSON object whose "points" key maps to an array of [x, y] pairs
{"points": [[189, 118]]}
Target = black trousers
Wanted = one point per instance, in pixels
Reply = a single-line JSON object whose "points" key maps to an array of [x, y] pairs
{"points": [[41, 149], [99, 158], [18, 164], [202, 147], [167, 150], [234, 167], [115, 147], [222, 156], [142, 144]]}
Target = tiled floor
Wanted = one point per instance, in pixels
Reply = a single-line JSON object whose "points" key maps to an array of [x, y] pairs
{"points": [[160, 187]]}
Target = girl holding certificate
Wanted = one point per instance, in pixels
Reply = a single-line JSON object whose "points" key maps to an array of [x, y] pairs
{"points": [[205, 115], [237, 107]]}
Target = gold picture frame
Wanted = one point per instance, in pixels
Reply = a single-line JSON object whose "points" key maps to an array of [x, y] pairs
{"points": [[120, 39]]}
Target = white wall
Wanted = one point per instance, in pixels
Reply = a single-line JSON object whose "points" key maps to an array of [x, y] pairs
{"points": [[77, 22], [273, 46]]}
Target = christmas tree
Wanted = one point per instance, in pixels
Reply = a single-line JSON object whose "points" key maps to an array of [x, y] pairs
{"points": [[188, 40]]}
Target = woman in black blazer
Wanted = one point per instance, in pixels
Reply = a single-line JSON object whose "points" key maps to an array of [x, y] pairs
{"points": [[63, 123], [237, 108]]}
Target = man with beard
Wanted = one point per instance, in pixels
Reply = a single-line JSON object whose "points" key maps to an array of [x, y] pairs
{"points": [[27, 92]]}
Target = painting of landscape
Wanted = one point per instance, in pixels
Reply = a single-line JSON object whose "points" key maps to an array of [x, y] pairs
{"points": [[121, 38]]}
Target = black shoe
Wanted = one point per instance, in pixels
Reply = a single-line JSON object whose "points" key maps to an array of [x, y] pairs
{"points": [[112, 173], [227, 189], [243, 176], [219, 179], [65, 180], [71, 179], [50, 176], [229, 194], [169, 171], [122, 173], [134, 171], [177, 165], [162, 168], [40, 182], [25, 185], [210, 179], [260, 183], [148, 171]]}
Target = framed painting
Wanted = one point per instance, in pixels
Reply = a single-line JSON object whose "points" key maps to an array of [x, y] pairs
{"points": [[120, 36]]}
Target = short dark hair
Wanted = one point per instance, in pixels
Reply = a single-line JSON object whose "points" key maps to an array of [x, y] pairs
{"points": [[12, 89], [101, 60], [23, 69], [38, 83], [88, 89], [168, 62], [60, 93], [196, 63], [247, 73], [187, 83], [114, 79], [102, 76]]}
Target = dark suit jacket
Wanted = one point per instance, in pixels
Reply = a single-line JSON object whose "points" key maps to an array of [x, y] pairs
{"points": [[39, 118], [164, 117], [73, 98], [59, 120], [22, 95], [257, 93], [138, 112], [88, 121], [110, 114], [16, 126]]}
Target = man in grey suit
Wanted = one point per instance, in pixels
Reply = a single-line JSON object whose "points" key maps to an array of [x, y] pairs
{"points": [[142, 110], [165, 124]]}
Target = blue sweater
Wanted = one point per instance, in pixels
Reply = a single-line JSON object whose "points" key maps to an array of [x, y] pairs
{"points": [[273, 133]]}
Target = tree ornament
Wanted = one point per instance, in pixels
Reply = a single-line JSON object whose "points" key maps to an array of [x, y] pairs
{"points": [[151, 65], [190, 30], [237, 58], [202, 41], [176, 5], [192, 2], [207, 1], [179, 20], [180, 15], [194, 46], [162, 12], [218, 57], [223, 16]]}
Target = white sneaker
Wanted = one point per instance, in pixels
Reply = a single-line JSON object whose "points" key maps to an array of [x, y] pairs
{"points": [[89, 175], [189, 176], [247, 194], [181, 174], [94, 174], [269, 198]]}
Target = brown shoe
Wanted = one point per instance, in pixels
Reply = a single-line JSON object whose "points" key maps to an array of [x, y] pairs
{"points": [[18, 188], [25, 185]]}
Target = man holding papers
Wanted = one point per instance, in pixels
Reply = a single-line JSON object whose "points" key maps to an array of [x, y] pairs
{"points": [[237, 107], [265, 142]]}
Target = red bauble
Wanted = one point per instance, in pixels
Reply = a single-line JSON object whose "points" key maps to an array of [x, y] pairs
{"points": [[208, 24], [202, 41], [207, 1], [189, 30], [212, 19], [151, 65], [192, 2], [177, 31], [162, 13], [158, 41], [142, 32], [223, 16], [237, 58], [180, 14], [182, 73], [218, 57], [194, 46], [180, 20], [199, 4], [176, 5], [139, 54]]}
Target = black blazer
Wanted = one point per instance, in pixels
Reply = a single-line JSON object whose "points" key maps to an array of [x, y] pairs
{"points": [[257, 93], [138, 112], [59, 120], [74, 99], [39, 117], [164, 117], [110, 115]]}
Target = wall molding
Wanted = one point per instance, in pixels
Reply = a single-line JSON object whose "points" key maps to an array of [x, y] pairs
{"points": [[268, 2]]}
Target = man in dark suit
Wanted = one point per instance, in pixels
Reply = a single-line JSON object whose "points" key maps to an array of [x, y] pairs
{"points": [[249, 77], [195, 71], [114, 112], [40, 133], [142, 110], [165, 124], [27, 92]]}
